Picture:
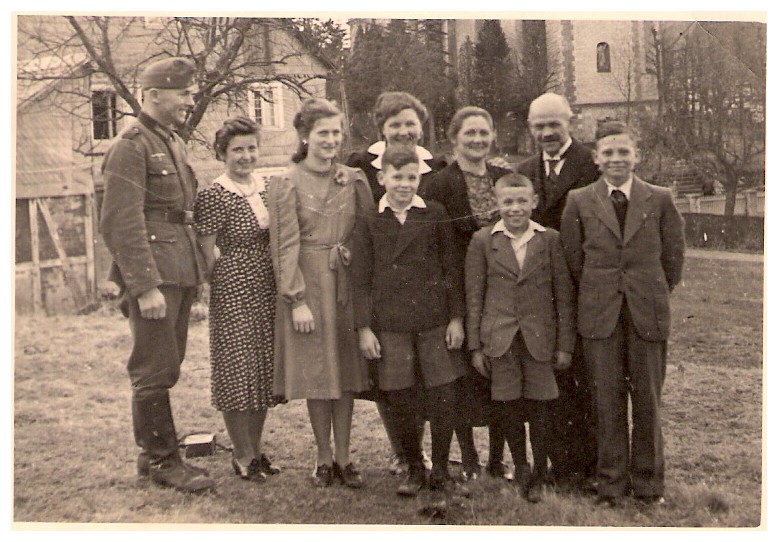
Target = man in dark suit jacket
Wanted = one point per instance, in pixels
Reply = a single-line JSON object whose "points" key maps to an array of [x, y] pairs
{"points": [[563, 164], [624, 244]]}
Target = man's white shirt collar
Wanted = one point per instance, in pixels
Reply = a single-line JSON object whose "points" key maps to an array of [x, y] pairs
{"points": [[562, 150], [379, 147], [626, 188]]}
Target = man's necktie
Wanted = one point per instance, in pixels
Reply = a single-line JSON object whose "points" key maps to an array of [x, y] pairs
{"points": [[552, 164], [551, 181], [620, 204]]}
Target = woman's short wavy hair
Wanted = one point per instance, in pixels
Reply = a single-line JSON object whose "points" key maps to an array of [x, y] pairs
{"points": [[391, 103]]}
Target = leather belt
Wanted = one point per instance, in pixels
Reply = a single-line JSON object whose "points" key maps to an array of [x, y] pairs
{"points": [[175, 217]]}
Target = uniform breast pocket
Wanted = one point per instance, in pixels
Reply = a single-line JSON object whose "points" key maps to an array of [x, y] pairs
{"points": [[162, 184]]}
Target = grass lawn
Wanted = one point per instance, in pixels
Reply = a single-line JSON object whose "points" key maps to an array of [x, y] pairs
{"points": [[74, 455]]}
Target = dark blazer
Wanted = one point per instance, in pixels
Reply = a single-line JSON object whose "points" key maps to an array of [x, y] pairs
{"points": [[503, 300], [147, 173], [363, 160], [642, 266], [578, 171], [449, 188], [405, 276]]}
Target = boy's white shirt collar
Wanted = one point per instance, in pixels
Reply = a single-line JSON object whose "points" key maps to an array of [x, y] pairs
{"points": [[626, 188], [416, 201], [379, 147], [531, 229], [519, 244]]}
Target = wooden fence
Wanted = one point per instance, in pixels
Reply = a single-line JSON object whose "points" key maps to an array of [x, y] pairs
{"points": [[747, 203]]}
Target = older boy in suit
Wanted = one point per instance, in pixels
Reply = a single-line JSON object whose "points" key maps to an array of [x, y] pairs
{"points": [[624, 243], [409, 311], [520, 323]]}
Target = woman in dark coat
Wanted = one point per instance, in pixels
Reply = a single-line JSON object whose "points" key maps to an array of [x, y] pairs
{"points": [[464, 187]]}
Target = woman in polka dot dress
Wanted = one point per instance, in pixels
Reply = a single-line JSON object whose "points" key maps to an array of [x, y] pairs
{"points": [[232, 215]]}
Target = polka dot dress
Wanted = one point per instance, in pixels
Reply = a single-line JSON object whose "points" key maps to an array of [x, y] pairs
{"points": [[242, 302]]}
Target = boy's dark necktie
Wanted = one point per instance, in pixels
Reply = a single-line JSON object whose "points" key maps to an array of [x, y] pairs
{"points": [[620, 204]]}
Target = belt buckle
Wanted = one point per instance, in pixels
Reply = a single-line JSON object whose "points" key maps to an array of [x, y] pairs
{"points": [[187, 217]]}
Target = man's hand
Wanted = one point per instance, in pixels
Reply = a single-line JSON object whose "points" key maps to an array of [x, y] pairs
{"points": [[562, 360], [302, 319], [481, 363], [368, 343], [455, 334], [152, 304]]}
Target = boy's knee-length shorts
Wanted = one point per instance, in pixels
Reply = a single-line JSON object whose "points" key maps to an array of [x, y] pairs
{"points": [[516, 375], [408, 358]]}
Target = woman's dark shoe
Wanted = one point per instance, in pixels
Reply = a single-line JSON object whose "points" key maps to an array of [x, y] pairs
{"points": [[251, 472], [322, 476], [348, 475], [266, 467]]}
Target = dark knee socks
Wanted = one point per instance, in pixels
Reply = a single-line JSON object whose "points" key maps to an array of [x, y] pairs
{"points": [[508, 416], [441, 404], [405, 406], [537, 414], [496, 433]]}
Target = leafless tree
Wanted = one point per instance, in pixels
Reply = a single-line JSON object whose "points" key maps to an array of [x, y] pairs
{"points": [[232, 54]]}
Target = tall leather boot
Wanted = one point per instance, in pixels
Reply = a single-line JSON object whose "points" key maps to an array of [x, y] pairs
{"points": [[156, 434]]}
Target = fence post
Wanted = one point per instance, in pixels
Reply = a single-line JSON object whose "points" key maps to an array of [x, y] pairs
{"points": [[750, 195], [694, 203]]}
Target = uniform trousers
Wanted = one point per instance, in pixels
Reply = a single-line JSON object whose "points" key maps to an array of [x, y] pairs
{"points": [[158, 349]]}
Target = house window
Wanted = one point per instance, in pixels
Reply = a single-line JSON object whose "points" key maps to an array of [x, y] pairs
{"points": [[105, 115], [603, 57], [266, 105]]}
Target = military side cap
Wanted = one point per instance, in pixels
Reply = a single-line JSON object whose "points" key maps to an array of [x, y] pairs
{"points": [[176, 72]]}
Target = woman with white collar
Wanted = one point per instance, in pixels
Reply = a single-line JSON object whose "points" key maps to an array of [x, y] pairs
{"points": [[398, 117], [232, 215]]}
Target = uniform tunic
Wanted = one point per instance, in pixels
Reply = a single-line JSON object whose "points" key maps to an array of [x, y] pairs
{"points": [[312, 219], [242, 301]]}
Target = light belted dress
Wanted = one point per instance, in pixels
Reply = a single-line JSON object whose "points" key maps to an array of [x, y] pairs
{"points": [[312, 218]]}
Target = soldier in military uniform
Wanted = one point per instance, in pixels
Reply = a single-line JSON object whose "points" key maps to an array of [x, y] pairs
{"points": [[147, 223]]}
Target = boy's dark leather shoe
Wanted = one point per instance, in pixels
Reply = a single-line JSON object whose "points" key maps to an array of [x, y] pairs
{"points": [[607, 501], [499, 470], [412, 484], [535, 493], [174, 473], [349, 475], [446, 484]]}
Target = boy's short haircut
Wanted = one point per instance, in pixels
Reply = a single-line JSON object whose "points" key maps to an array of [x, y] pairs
{"points": [[513, 180], [612, 128], [398, 157]]}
